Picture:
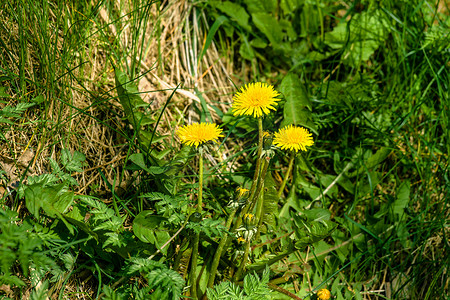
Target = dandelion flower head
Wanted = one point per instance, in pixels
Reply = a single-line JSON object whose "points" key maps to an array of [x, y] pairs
{"points": [[293, 138], [323, 294], [241, 191], [198, 133], [255, 99]]}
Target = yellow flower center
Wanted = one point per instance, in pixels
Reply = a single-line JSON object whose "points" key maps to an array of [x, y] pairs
{"points": [[199, 133], [293, 138], [255, 99]]}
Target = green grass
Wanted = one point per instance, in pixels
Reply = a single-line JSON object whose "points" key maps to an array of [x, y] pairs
{"points": [[98, 194]]}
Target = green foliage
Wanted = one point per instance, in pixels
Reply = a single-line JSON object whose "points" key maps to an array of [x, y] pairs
{"points": [[312, 226], [254, 288], [297, 108], [104, 219], [41, 292], [151, 229], [165, 283], [50, 192], [359, 38], [133, 105], [367, 206], [9, 114], [168, 206], [212, 228], [20, 246]]}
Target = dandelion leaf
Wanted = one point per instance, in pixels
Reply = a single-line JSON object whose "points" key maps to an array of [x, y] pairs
{"points": [[150, 229], [297, 108]]}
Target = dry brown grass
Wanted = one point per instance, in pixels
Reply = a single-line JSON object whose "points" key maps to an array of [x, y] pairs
{"points": [[94, 120]]}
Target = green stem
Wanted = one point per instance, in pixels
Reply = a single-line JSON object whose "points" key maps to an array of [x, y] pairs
{"points": [[260, 182], [286, 176], [258, 160], [219, 250], [200, 183], [257, 200], [243, 263], [260, 199], [256, 176], [193, 272]]}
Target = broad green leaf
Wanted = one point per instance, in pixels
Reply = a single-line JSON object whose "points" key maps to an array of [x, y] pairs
{"points": [[269, 27], [38, 99], [402, 200], [3, 94], [236, 13], [312, 226], [146, 136], [258, 43], [255, 6], [316, 214], [365, 34], [149, 228], [54, 200], [289, 6], [138, 159], [297, 106], [246, 51], [270, 208], [373, 161], [34, 199]]}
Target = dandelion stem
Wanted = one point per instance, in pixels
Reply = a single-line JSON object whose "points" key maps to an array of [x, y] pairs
{"points": [[193, 272], [258, 160], [243, 263], [219, 250], [249, 206], [260, 182], [200, 183], [286, 176]]}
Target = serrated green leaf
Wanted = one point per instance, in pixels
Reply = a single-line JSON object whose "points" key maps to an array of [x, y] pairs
{"points": [[271, 199], [268, 260], [297, 108], [129, 97], [72, 162]]}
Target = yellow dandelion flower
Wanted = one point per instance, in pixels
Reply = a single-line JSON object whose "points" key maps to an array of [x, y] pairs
{"points": [[323, 294], [293, 138], [199, 133], [241, 191], [249, 216], [241, 239], [255, 99]]}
